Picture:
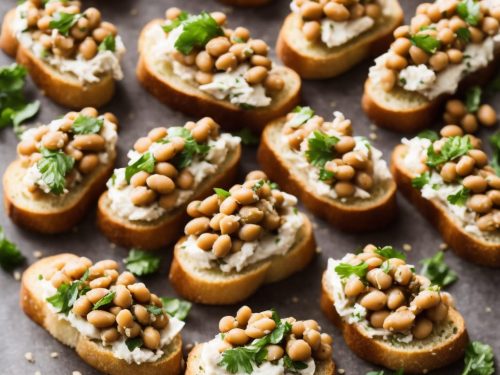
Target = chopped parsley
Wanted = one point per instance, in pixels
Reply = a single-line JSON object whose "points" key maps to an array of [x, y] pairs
{"points": [[428, 134], [453, 148], [293, 366], [63, 22], [190, 150], [321, 150], [389, 252], [248, 138], [495, 145], [460, 197], [301, 116], [176, 308], [469, 11], [344, 270], [134, 343], [67, 294], [106, 300], [54, 166], [222, 193], [473, 99], [437, 271], [108, 44], [420, 181], [382, 372], [177, 22], [141, 263], [479, 359], [86, 125], [10, 255], [425, 42], [197, 31], [145, 163], [155, 310], [463, 34]]}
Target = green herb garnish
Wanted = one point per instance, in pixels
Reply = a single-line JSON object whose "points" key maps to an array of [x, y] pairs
{"points": [[293, 366], [425, 42], [175, 23], [86, 125], [420, 181], [469, 11], [428, 134], [134, 343], [190, 150], [141, 263], [155, 310], [302, 115], [479, 359], [248, 138], [222, 193], [495, 145], [344, 270], [473, 99], [145, 163], [10, 255], [175, 307], [463, 34], [453, 148], [108, 44], [54, 166], [197, 31], [460, 197], [63, 22], [67, 294], [389, 252], [321, 150], [106, 300], [437, 271]]}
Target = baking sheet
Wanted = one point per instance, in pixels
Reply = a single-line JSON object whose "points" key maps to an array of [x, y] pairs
{"points": [[476, 291]]}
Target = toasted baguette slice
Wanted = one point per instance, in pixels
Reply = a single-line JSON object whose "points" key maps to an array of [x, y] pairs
{"points": [[317, 61], [438, 350], [194, 365], [160, 81], [245, 3], [213, 287], [63, 88], [90, 351], [409, 112], [362, 215], [48, 213], [466, 245], [163, 231]]}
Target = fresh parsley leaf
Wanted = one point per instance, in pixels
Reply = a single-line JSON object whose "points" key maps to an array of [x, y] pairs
{"points": [[389, 252], [469, 11], [86, 125], [437, 271], [239, 359], [382, 372], [279, 333], [10, 256], [325, 175], [197, 31], [155, 310], [134, 343], [495, 145], [320, 148], [302, 115], [293, 366], [175, 23], [145, 163], [67, 294], [175, 307], [344, 270], [473, 99], [63, 22], [428, 134], [420, 181], [54, 166], [107, 299], [425, 42], [459, 198], [453, 148], [141, 263], [494, 85], [191, 147], [108, 44], [479, 359], [248, 138], [222, 193], [463, 34]]}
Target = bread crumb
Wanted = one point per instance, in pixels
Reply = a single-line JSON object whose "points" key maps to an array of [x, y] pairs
{"points": [[406, 247], [341, 371], [373, 136], [443, 246], [318, 249], [112, 245], [189, 347], [134, 12], [17, 275], [37, 372], [333, 104], [227, 10], [54, 355], [37, 254], [295, 299], [487, 309], [76, 373], [373, 127], [29, 357]]}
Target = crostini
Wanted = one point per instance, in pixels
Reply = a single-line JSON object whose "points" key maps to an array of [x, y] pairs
{"points": [[449, 180], [263, 343], [113, 322], [448, 45], [145, 204], [195, 64], [71, 54], [389, 315], [337, 176], [61, 170], [322, 39], [239, 240]]}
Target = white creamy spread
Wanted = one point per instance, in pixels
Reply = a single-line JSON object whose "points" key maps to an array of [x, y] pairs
{"points": [[230, 85], [118, 348], [436, 188], [431, 84], [86, 71], [119, 191], [299, 162], [210, 357], [255, 251]]}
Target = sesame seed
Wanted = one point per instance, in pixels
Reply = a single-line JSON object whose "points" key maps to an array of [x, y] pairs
{"points": [[29, 357]]}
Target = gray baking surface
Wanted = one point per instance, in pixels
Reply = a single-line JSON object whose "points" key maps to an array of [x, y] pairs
{"points": [[476, 291]]}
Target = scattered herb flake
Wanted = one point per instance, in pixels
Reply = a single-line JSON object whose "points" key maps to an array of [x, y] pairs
{"points": [[54, 166], [10, 255], [460, 197], [248, 138], [344, 270], [389, 252], [426, 42], [141, 263], [473, 99], [222, 193], [107, 299], [437, 271], [175, 307], [420, 181], [301, 116], [197, 31], [86, 125]]}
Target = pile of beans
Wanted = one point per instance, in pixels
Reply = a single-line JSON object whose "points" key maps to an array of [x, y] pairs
{"points": [[304, 341], [164, 183], [127, 315], [83, 38], [440, 21], [226, 53], [395, 298], [312, 12], [83, 148], [457, 113], [475, 174], [223, 225], [351, 168]]}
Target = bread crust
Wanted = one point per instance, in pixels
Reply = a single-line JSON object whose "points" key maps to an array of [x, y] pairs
{"points": [[92, 353], [58, 218], [193, 366], [465, 245], [323, 62], [245, 3], [238, 286], [369, 216], [412, 361], [413, 119], [64, 89], [179, 95], [164, 231]]}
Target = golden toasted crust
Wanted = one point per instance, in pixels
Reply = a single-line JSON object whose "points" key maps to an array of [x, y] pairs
{"points": [[194, 366], [414, 359], [170, 89], [64, 89], [363, 216], [164, 231], [316, 61], [466, 245], [47, 213], [245, 3], [94, 354], [217, 288]]}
